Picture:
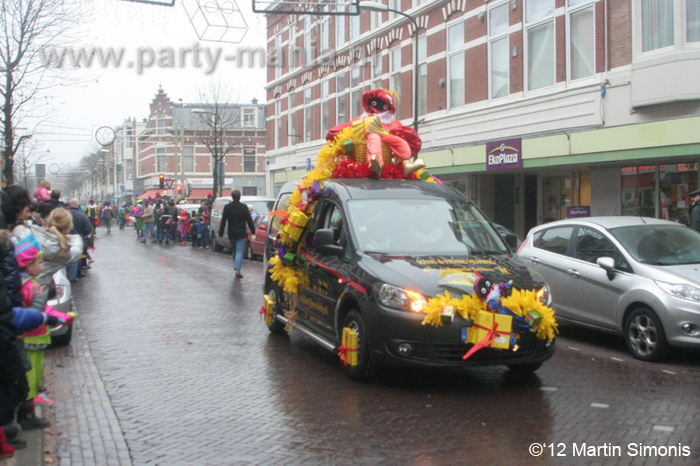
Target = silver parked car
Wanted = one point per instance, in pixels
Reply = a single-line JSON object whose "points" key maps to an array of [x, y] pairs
{"points": [[260, 204], [633, 276]]}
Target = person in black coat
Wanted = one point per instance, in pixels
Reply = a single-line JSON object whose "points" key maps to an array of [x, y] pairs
{"points": [[83, 227], [237, 215], [45, 208]]}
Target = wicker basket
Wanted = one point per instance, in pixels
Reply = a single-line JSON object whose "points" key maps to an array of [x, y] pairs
{"points": [[360, 152]]}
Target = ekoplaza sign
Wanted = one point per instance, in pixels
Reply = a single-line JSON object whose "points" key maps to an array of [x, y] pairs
{"points": [[504, 154]]}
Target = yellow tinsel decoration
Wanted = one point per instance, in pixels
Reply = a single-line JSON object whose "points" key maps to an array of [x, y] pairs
{"points": [[523, 301], [289, 278], [467, 307]]}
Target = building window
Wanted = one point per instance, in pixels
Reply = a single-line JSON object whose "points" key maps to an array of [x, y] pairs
{"points": [[291, 120], [161, 125], [249, 115], [129, 141], [395, 75], [278, 65], [455, 64], [341, 103], [657, 24], [325, 36], [188, 159], [354, 21], [249, 163], [308, 134], [129, 173], [325, 109], [377, 71], [339, 31], [422, 76], [278, 124], [692, 21], [161, 159], [499, 56], [581, 42], [355, 92], [540, 43], [308, 48], [394, 5]]}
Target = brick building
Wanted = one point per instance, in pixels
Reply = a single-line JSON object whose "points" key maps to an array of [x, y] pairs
{"points": [[593, 103], [175, 140]]}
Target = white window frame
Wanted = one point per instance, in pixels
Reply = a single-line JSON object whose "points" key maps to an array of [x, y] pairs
{"points": [[161, 165], [342, 92], [340, 31], [460, 50], [278, 124], [354, 27], [308, 128], [492, 38], [377, 74], [325, 104], [572, 10], [680, 32], [161, 126], [422, 67], [324, 33], [529, 26], [395, 75], [187, 159], [291, 119], [247, 159], [291, 47], [308, 47], [250, 113], [278, 46]]}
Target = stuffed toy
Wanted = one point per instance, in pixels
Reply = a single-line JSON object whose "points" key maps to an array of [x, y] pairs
{"points": [[377, 125]]}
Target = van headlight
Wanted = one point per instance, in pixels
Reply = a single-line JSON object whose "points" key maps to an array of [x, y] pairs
{"points": [[400, 298], [681, 290], [544, 295]]}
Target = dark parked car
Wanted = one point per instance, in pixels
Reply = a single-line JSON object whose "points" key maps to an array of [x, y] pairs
{"points": [[256, 240], [375, 251]]}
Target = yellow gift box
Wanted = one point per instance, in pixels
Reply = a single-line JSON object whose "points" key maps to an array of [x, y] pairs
{"points": [[296, 222], [484, 323], [348, 349], [269, 306]]}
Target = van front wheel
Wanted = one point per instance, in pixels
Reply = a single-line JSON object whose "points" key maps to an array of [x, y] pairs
{"points": [[363, 369]]}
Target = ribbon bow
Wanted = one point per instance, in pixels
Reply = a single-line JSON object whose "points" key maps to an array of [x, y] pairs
{"points": [[343, 354], [214, 6]]}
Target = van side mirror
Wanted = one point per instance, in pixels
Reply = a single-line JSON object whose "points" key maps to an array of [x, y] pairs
{"points": [[324, 243], [512, 241], [607, 264]]}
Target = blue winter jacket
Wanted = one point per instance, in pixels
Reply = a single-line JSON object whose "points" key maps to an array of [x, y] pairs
{"points": [[27, 318]]}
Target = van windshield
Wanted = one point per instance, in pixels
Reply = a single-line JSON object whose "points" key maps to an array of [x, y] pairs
{"points": [[423, 226]]}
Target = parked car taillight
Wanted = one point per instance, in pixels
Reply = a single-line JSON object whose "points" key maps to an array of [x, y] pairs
{"points": [[59, 291]]}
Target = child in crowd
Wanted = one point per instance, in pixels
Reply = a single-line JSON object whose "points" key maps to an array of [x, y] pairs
{"points": [[138, 212], [29, 258], [43, 192], [184, 226]]}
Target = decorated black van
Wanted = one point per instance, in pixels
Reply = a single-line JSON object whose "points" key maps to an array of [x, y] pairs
{"points": [[402, 273]]}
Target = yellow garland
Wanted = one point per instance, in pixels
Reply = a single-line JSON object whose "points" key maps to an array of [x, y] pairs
{"points": [[523, 301], [289, 278], [467, 307]]}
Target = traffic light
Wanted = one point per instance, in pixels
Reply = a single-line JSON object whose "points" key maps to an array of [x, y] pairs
{"points": [[179, 190], [161, 181]]}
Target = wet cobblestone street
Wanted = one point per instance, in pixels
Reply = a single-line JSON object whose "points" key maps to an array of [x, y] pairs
{"points": [[171, 365]]}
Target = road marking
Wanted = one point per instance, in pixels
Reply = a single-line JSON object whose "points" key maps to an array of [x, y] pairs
{"points": [[617, 359], [664, 428], [669, 372], [575, 349], [549, 389], [599, 405]]}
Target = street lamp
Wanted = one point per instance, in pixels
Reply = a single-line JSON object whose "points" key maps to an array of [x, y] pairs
{"points": [[374, 6]]}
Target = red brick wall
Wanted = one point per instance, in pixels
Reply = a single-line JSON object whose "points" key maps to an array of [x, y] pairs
{"points": [[436, 93], [474, 29], [620, 33], [517, 69], [560, 50], [476, 74]]}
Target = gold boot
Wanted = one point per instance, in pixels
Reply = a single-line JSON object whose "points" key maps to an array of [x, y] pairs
{"points": [[410, 166], [375, 166]]}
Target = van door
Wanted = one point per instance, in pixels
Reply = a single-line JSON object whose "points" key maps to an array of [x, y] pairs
{"points": [[327, 274]]}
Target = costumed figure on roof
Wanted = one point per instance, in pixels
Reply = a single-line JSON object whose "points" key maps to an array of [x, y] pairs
{"points": [[385, 138]]}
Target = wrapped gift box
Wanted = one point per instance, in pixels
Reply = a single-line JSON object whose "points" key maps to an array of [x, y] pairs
{"points": [[484, 322], [269, 306], [533, 318], [216, 20], [348, 350], [296, 222]]}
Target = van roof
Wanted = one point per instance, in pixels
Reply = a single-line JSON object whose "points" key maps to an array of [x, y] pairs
{"points": [[367, 188]]}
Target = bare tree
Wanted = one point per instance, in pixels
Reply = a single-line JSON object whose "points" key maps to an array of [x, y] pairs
{"points": [[95, 167], [26, 159], [221, 118], [27, 28]]}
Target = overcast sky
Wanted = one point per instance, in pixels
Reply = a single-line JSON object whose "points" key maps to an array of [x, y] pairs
{"points": [[109, 95]]}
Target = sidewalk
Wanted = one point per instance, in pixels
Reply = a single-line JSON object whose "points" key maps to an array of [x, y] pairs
{"points": [[84, 429]]}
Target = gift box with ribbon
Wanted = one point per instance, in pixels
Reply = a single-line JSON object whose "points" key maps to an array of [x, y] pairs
{"points": [[491, 329], [294, 224], [268, 308], [348, 349], [288, 259], [533, 318]]}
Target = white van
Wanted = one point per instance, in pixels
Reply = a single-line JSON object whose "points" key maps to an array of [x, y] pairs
{"points": [[260, 203]]}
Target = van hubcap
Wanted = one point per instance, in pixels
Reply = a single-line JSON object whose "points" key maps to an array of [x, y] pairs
{"points": [[643, 335]]}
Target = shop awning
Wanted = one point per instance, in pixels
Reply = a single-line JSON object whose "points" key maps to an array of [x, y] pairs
{"points": [[150, 193]]}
